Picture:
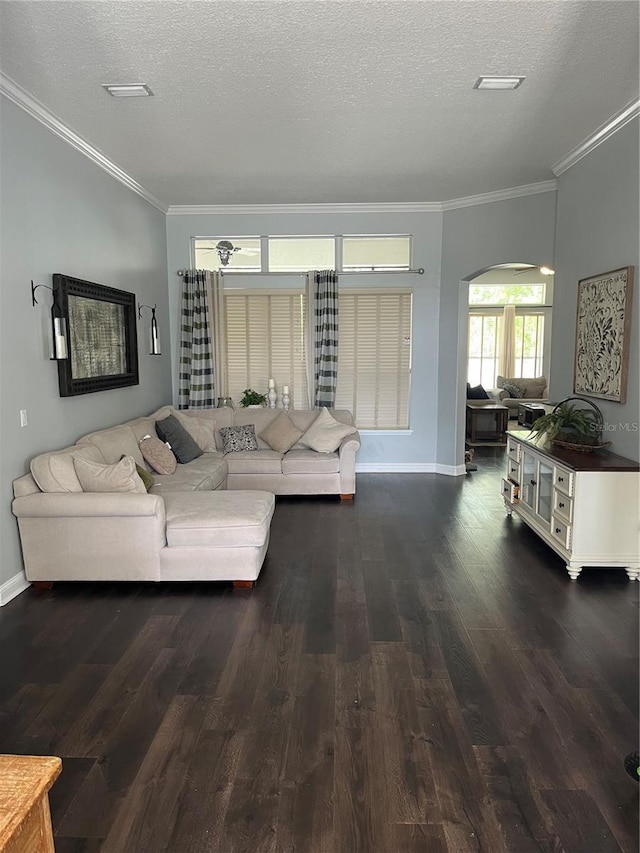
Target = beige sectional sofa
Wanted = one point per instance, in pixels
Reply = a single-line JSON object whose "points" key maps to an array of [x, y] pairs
{"points": [[209, 520]]}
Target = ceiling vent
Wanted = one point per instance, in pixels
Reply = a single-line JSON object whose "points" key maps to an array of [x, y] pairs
{"points": [[128, 90], [498, 82]]}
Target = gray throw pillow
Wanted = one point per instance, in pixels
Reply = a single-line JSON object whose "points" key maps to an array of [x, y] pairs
{"points": [[185, 449], [513, 390], [237, 438]]}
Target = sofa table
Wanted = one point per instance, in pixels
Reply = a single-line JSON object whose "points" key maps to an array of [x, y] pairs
{"points": [[486, 423], [585, 506], [25, 819]]}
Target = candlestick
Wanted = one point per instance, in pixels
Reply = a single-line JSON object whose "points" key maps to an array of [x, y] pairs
{"points": [[285, 398], [272, 396]]}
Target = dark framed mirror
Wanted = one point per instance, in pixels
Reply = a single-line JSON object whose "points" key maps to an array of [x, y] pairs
{"points": [[102, 342]]}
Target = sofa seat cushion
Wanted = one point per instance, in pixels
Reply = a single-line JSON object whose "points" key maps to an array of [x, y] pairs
{"points": [[254, 462], [218, 519], [207, 472], [310, 462]]}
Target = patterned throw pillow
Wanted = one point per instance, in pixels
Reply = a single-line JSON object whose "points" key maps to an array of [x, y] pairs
{"points": [[513, 390], [237, 438], [158, 455]]}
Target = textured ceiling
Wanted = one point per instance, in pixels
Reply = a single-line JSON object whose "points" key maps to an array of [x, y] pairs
{"points": [[311, 102]]}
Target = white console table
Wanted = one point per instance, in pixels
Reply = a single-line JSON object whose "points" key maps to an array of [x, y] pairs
{"points": [[586, 506]]}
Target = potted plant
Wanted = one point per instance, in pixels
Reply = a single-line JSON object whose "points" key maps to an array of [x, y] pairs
{"points": [[251, 399], [572, 426]]}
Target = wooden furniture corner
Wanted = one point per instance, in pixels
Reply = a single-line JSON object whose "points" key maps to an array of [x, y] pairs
{"points": [[25, 818]]}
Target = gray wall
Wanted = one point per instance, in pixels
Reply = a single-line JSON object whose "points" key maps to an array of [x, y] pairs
{"points": [[419, 448], [598, 231], [475, 238], [61, 213]]}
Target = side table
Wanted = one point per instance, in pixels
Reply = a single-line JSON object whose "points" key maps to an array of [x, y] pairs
{"points": [[486, 423], [25, 818]]}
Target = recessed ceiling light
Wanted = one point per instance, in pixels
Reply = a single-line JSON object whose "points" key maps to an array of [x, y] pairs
{"points": [[128, 90], [498, 82]]}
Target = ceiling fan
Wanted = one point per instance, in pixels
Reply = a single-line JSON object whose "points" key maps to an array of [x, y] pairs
{"points": [[226, 249]]}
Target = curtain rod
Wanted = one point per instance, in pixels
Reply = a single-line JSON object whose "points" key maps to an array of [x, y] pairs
{"points": [[419, 271]]}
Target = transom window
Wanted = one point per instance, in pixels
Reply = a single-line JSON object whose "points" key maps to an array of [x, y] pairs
{"points": [[287, 254]]}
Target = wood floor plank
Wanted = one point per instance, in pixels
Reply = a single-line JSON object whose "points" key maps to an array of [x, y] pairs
{"points": [[579, 822], [409, 791], [110, 703], [419, 838], [206, 793], [149, 810], [310, 756]]}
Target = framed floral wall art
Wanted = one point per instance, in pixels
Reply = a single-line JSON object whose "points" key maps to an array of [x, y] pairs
{"points": [[603, 330]]}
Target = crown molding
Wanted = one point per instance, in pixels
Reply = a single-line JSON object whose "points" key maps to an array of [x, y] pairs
{"points": [[36, 110], [248, 209], [615, 123], [501, 195], [382, 207]]}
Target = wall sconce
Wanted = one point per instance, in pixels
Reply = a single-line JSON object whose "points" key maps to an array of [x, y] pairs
{"points": [[155, 337], [58, 324]]}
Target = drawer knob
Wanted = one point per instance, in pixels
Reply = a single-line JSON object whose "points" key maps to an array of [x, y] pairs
{"points": [[533, 482], [560, 505], [558, 530], [561, 479]]}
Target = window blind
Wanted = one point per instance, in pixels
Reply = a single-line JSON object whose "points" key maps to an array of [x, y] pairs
{"points": [[374, 357], [265, 339]]}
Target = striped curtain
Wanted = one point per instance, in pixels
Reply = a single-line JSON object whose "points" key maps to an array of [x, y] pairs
{"points": [[195, 383], [322, 290]]}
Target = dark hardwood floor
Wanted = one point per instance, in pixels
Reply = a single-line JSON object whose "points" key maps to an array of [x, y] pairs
{"points": [[414, 673]]}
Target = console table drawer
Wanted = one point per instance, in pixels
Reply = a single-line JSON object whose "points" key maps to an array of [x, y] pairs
{"points": [[510, 491], [562, 505], [561, 532], [563, 480], [513, 471], [513, 449]]}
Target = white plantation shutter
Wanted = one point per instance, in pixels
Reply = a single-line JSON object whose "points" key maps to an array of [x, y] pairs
{"points": [[374, 357], [265, 339]]}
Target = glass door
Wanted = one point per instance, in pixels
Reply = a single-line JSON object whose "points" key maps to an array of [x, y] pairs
{"points": [[545, 490], [528, 486]]}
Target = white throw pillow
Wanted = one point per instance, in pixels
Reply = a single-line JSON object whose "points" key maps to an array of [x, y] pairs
{"points": [[119, 477], [326, 433]]}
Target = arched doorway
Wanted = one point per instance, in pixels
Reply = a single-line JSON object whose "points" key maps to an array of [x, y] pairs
{"points": [[505, 334]]}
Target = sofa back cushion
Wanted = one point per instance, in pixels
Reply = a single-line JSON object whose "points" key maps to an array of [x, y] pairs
{"points": [[55, 471], [114, 442], [532, 387]]}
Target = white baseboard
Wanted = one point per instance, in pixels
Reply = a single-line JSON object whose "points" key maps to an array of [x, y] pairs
{"points": [[409, 468], [395, 467], [13, 587], [451, 470]]}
